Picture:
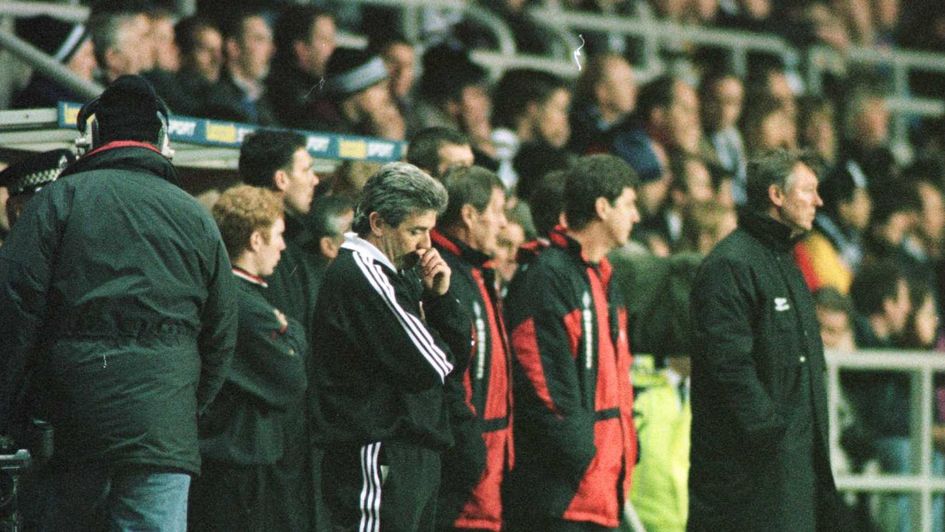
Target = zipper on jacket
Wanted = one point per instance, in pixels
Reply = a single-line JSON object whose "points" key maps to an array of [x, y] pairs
{"points": [[480, 342], [588, 331]]}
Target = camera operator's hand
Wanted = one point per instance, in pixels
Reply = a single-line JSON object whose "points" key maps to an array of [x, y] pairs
{"points": [[433, 271]]}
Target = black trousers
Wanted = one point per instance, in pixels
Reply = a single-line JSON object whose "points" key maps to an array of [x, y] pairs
{"points": [[229, 497], [382, 486]]}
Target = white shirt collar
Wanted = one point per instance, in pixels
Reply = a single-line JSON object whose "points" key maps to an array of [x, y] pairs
{"points": [[360, 245]]}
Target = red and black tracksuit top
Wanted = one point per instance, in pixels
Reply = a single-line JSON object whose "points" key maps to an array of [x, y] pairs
{"points": [[481, 396], [575, 444]]}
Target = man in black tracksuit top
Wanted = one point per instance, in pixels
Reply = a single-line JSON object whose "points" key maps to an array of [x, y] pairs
{"points": [[759, 456], [279, 161], [573, 422], [384, 329], [480, 398], [116, 291], [241, 434]]}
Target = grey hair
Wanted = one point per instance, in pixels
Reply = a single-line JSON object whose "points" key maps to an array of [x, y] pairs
{"points": [[395, 192], [774, 167]]}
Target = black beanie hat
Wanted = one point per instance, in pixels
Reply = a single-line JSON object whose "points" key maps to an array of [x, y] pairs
{"points": [[55, 37], [128, 110], [350, 71]]}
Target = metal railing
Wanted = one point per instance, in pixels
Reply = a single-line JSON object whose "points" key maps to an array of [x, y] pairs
{"points": [[921, 366]]}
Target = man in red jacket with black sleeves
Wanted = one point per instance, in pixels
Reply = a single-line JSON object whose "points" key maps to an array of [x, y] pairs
{"points": [[574, 434], [480, 398]]}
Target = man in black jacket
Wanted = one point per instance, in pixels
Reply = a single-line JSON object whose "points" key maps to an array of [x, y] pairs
{"points": [[278, 160], [241, 434], [386, 324], [759, 456], [116, 295], [480, 399]]}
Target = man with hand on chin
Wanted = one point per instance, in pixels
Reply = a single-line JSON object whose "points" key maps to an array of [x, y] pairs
{"points": [[385, 327], [759, 456]]}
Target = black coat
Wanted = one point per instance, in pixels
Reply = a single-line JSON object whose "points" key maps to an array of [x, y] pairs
{"points": [[379, 362], [116, 285], [759, 455]]}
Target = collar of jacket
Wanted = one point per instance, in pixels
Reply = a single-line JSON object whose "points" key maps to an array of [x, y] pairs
{"points": [[354, 242], [294, 226], [127, 155], [560, 239], [770, 232], [459, 248]]}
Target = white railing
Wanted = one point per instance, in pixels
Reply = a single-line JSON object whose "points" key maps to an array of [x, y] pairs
{"points": [[921, 366]]}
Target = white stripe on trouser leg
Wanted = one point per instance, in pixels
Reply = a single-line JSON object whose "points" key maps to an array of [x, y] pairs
{"points": [[371, 489]]}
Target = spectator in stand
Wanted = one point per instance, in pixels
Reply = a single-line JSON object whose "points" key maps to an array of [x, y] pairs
{"points": [[667, 113], [687, 11], [722, 97], [896, 208], [922, 327], [201, 58], [831, 254], [881, 295], [606, 93], [870, 23], [305, 40], [121, 35], [705, 225], [866, 135], [691, 184], [241, 436], [350, 177], [67, 43], [770, 80], [530, 107], [836, 317], [400, 57], [166, 63], [239, 93], [356, 98], [453, 93], [436, 150], [768, 126], [816, 128], [166, 52], [928, 237]]}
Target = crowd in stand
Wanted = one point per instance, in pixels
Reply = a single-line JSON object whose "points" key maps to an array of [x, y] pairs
{"points": [[875, 259]]}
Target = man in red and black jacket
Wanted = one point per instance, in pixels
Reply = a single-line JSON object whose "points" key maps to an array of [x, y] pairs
{"points": [[574, 434], [480, 397]]}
